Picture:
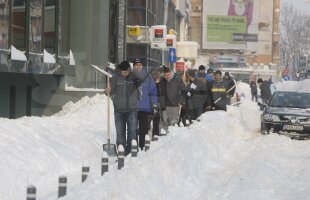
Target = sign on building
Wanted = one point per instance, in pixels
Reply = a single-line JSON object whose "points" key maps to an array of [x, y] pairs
{"points": [[223, 19], [171, 41], [158, 36]]}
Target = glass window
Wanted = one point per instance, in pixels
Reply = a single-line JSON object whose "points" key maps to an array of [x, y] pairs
{"points": [[49, 26], [4, 24], [136, 17], [63, 30], [35, 29], [18, 21]]}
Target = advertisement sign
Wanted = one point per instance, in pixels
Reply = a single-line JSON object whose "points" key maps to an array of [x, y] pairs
{"points": [[134, 30], [158, 36], [223, 20], [179, 66], [171, 41]]}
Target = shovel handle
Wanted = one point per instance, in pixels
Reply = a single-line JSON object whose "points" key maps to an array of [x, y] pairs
{"points": [[108, 110]]}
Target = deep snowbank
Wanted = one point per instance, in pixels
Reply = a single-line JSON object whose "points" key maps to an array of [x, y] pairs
{"points": [[221, 157]]}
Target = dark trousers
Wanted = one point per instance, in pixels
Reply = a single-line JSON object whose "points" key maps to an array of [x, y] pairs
{"points": [[144, 119], [254, 96], [156, 120], [197, 112], [216, 107]]}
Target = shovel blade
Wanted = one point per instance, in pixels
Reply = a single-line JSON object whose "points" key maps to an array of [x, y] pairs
{"points": [[110, 149]]}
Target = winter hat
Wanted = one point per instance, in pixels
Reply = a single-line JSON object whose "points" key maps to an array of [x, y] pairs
{"points": [[260, 80], [209, 71], [201, 67], [191, 73], [226, 74], [124, 66], [218, 72], [137, 60]]}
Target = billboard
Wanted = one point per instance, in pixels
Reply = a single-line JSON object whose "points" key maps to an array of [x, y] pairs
{"points": [[230, 24]]}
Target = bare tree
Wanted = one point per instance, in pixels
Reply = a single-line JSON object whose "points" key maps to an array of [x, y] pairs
{"points": [[294, 33]]}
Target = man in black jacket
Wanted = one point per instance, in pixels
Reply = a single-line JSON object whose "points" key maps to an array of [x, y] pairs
{"points": [[171, 87], [230, 84], [265, 91], [197, 94], [217, 91]]}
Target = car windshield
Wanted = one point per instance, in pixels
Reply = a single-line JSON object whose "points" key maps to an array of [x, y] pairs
{"points": [[291, 100]]}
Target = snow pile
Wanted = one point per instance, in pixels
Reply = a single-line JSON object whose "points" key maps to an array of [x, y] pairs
{"points": [[221, 157]]}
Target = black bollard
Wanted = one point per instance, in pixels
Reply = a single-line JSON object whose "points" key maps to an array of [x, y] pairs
{"points": [[121, 157], [104, 165], [62, 186], [85, 171], [31, 192], [134, 148], [147, 142]]}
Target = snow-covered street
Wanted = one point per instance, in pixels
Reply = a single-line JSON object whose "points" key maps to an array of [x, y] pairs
{"points": [[221, 157]]}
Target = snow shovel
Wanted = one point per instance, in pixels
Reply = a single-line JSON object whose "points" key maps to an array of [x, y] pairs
{"points": [[227, 91], [109, 148]]}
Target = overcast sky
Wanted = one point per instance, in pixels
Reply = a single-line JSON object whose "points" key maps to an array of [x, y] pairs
{"points": [[300, 4]]}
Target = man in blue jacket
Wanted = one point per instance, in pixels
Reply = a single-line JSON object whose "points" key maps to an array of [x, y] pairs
{"points": [[146, 104]]}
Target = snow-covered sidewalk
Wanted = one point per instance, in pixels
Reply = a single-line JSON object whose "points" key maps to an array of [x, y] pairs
{"points": [[221, 157]]}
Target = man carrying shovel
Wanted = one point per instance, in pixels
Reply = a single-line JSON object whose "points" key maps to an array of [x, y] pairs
{"points": [[124, 92]]}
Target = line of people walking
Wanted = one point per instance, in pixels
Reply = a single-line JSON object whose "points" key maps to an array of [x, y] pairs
{"points": [[163, 98]]}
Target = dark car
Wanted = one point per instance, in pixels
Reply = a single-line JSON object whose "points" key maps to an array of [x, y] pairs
{"points": [[287, 113]]}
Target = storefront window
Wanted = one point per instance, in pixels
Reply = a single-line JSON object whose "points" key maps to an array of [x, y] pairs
{"points": [[35, 31], [4, 24], [49, 26], [63, 31], [18, 21]]}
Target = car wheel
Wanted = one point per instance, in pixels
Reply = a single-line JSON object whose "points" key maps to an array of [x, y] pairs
{"points": [[263, 129]]}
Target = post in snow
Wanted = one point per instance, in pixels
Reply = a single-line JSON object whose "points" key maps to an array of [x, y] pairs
{"points": [[147, 142], [121, 157], [104, 164], [31, 192], [62, 186], [85, 171], [134, 148]]}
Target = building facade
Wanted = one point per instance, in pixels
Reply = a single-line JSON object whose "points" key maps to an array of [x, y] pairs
{"points": [[47, 48]]}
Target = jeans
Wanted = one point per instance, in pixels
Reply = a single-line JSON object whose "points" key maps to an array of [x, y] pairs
{"points": [[121, 120]]}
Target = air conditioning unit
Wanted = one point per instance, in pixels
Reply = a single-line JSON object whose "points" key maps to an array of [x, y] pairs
{"points": [[197, 7]]}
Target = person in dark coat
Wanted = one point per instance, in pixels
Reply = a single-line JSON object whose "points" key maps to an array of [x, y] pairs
{"points": [[230, 84], [171, 87], [197, 92], [265, 91], [253, 87], [217, 91], [146, 104], [158, 109]]}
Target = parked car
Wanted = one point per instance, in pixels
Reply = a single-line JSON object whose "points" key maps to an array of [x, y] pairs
{"points": [[287, 113]]}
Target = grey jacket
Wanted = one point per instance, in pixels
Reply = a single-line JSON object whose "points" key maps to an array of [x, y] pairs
{"points": [[124, 94], [171, 92]]}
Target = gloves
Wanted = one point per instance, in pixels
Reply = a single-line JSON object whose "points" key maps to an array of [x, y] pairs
{"points": [[155, 109], [136, 82]]}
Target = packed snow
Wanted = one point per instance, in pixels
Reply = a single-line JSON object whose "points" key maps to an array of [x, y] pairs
{"points": [[221, 157]]}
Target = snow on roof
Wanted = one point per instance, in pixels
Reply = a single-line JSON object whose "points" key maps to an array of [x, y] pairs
{"points": [[294, 86]]}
